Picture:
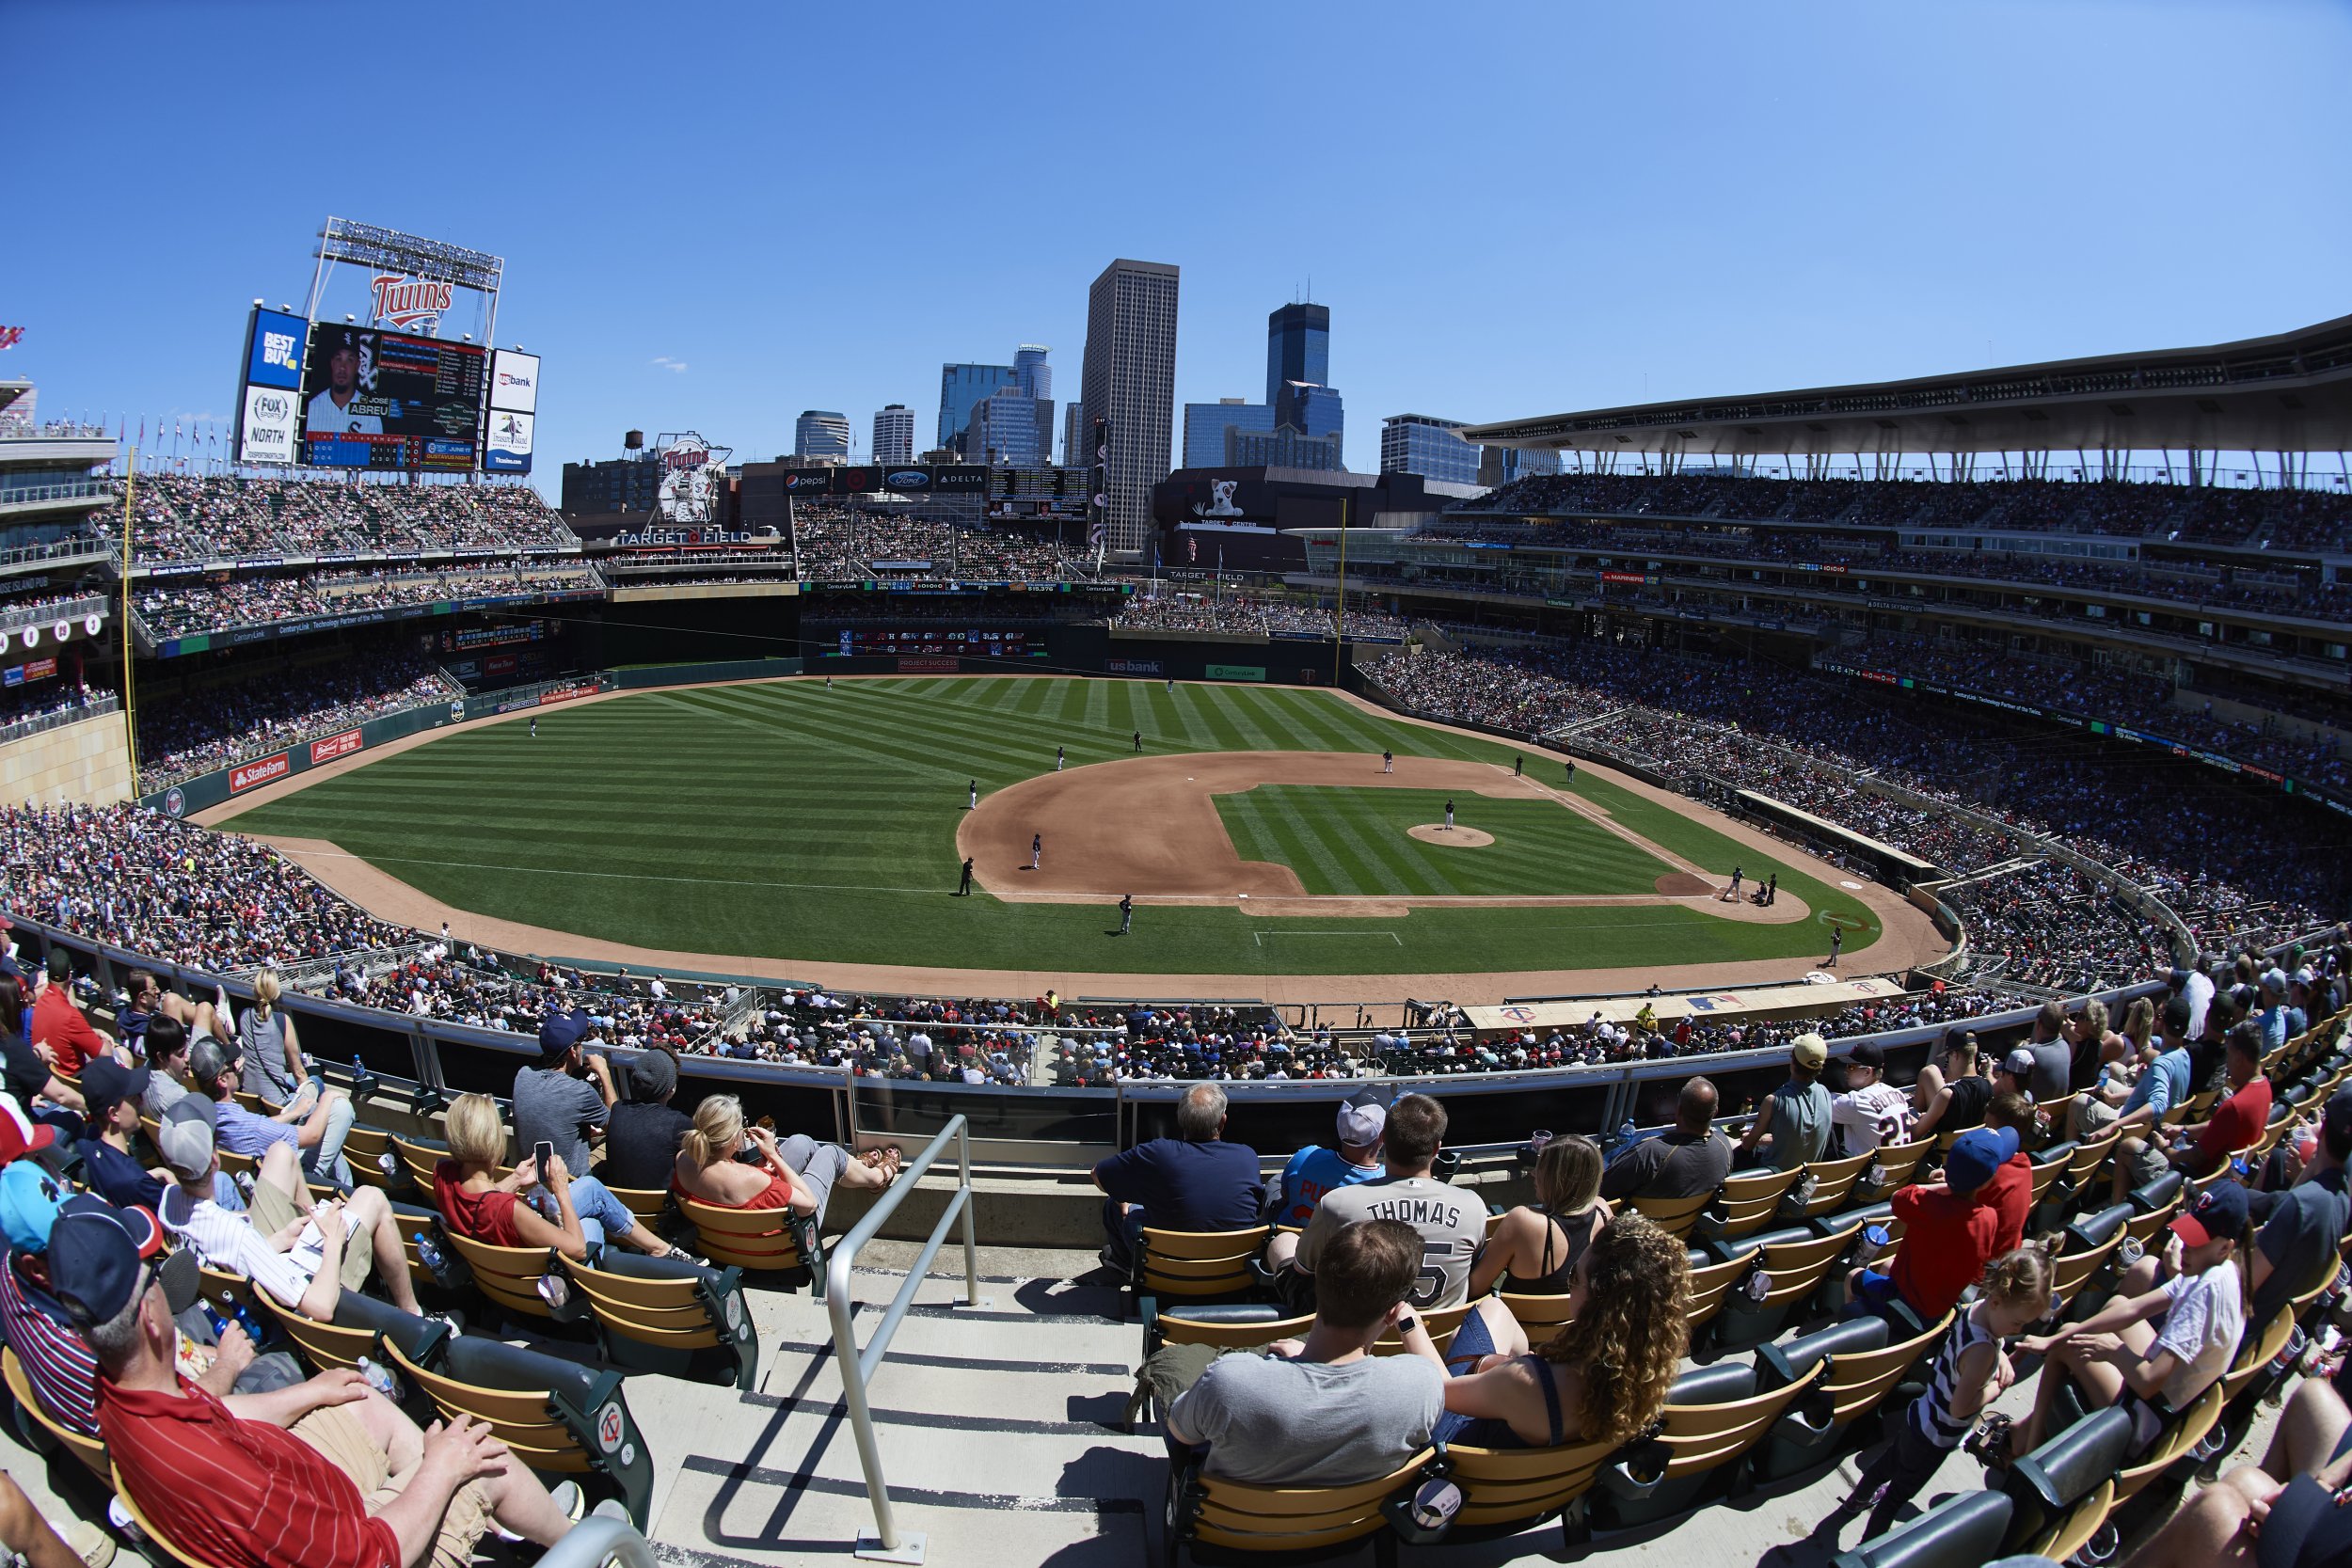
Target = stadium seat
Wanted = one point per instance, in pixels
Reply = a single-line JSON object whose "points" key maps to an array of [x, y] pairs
{"points": [[1964, 1531], [1541, 1316], [1834, 1182], [1864, 1372], [1506, 1490], [646, 1203], [1230, 1325], [1440, 1321], [1239, 1522], [2176, 1445], [1795, 1261], [364, 1149], [660, 1315], [510, 1276], [560, 1418], [2080, 1274], [757, 1241], [1673, 1215], [1893, 1168], [1710, 1280], [1746, 1204], [1195, 1265], [1713, 1416], [2058, 1493], [146, 1527], [41, 1432]]}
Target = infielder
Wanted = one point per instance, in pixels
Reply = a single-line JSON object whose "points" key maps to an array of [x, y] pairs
{"points": [[1449, 816], [1126, 912], [1037, 850], [1388, 762]]}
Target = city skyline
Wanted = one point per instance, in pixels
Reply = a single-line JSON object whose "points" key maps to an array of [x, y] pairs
{"points": [[1481, 303]]}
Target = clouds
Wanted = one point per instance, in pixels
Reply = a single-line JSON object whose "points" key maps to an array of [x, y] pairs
{"points": [[678, 366]]}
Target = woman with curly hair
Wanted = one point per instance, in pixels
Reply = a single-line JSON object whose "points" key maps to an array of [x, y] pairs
{"points": [[1602, 1378]]}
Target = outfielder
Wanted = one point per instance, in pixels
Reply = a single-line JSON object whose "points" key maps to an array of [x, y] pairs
{"points": [[975, 787], [1058, 759], [1126, 912]]}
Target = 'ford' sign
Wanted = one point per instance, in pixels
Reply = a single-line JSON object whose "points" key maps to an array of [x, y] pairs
{"points": [[908, 479]]}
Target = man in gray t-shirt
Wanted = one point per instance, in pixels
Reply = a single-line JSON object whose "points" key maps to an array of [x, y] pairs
{"points": [[1324, 1411], [552, 1105], [1450, 1222]]}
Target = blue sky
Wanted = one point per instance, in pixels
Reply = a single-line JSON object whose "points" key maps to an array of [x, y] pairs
{"points": [[716, 216]]}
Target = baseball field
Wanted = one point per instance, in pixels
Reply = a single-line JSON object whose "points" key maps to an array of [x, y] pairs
{"points": [[1255, 828]]}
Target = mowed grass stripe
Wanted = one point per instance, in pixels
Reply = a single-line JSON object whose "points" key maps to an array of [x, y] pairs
{"points": [[768, 819]]}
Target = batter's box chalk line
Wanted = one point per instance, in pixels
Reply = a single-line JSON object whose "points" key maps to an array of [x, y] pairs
{"points": [[1261, 935]]}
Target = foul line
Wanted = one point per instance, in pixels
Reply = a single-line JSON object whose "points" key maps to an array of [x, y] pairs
{"points": [[1390, 935], [611, 876]]}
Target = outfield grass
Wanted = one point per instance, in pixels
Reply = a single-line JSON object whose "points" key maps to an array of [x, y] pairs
{"points": [[785, 821], [1353, 842]]}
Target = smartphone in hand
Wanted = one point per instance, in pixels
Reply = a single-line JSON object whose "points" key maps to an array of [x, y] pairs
{"points": [[543, 1153]]}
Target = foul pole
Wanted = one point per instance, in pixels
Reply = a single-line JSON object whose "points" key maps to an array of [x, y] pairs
{"points": [[122, 612]]}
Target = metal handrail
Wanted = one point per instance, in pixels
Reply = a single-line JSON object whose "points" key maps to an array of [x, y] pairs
{"points": [[595, 1543], [858, 1366]]}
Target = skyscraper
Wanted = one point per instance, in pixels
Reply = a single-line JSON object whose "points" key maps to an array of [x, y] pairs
{"points": [[894, 435], [1130, 379], [959, 387], [1208, 428], [1073, 445], [822, 432], [1010, 429], [1030, 372], [1298, 348], [1419, 444]]}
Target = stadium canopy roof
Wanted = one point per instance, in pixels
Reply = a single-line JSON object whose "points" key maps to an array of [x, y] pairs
{"points": [[2292, 393]]}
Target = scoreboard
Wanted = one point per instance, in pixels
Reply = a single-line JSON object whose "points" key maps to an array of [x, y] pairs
{"points": [[388, 400], [936, 643]]}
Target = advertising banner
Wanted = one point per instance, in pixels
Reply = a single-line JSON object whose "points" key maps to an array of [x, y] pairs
{"points": [[506, 448], [855, 481], [334, 746], [929, 666], [265, 426], [808, 482], [968, 478], [907, 481], [1236, 672], [566, 693], [515, 380], [273, 350], [245, 777], [39, 669], [1135, 667]]}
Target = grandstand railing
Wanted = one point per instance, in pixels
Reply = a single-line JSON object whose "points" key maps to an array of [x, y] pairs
{"points": [[597, 1542], [858, 1366], [72, 489], [60, 552], [13, 616], [38, 723]]}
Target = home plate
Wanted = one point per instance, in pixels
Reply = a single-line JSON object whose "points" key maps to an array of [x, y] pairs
{"points": [[1457, 838], [1855, 885]]}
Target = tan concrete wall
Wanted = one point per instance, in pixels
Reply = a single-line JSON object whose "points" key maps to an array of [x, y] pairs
{"points": [[88, 762]]}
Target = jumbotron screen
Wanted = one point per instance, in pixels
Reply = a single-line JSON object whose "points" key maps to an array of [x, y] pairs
{"points": [[385, 400], [938, 642]]}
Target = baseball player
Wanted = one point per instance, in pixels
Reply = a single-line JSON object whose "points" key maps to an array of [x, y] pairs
{"points": [[966, 889], [1519, 765], [1571, 770], [1837, 942], [1388, 762], [1138, 740], [1126, 912], [975, 803], [534, 727], [1037, 850], [1738, 876], [1058, 759], [1449, 816]]}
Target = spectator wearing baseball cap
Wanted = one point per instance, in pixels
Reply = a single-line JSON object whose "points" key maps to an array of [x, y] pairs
{"points": [[2114, 1355], [1950, 1227], [567, 1099], [58, 1361], [1791, 1127], [114, 1093], [313, 1128], [58, 1020], [642, 1137], [1872, 1111], [325, 1474], [1320, 1168], [2303, 1227], [305, 1255]]}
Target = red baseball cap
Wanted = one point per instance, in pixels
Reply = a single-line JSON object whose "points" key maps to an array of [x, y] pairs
{"points": [[20, 1134]]}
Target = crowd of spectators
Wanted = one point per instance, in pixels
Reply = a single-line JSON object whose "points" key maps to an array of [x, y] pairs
{"points": [[1245, 614], [36, 702], [181, 610], [2281, 519], [834, 544], [2212, 851], [216, 516], [218, 726]]}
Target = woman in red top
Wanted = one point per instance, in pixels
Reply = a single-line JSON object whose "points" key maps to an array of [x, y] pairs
{"points": [[528, 1206], [797, 1174]]}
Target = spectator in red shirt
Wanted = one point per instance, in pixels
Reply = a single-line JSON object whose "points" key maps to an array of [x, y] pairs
{"points": [[1948, 1231], [2239, 1120], [2010, 1190], [59, 1023], [325, 1474]]}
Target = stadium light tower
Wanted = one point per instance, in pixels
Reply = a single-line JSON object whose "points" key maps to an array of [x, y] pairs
{"points": [[435, 261]]}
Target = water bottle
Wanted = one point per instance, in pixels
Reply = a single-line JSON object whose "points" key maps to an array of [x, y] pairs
{"points": [[429, 1253], [1624, 1134], [1874, 1238], [379, 1378]]}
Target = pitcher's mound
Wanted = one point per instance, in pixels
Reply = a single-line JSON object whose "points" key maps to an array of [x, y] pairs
{"points": [[1681, 884], [1458, 838]]}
